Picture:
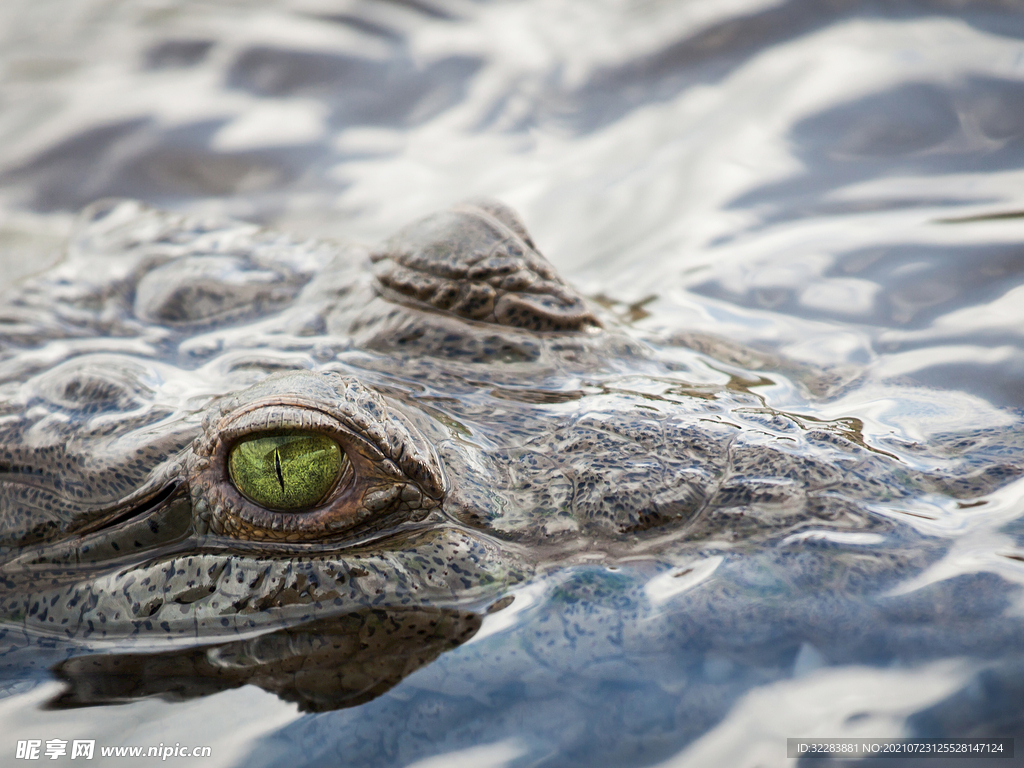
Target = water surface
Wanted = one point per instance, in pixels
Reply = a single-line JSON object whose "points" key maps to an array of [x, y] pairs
{"points": [[836, 186]]}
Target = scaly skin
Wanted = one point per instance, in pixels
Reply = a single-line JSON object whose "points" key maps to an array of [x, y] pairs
{"points": [[495, 422]]}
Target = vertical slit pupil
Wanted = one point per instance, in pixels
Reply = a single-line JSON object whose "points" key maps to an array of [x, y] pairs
{"points": [[289, 471], [277, 466]]}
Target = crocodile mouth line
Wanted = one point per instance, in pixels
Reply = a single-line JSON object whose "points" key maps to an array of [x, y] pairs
{"points": [[128, 510], [352, 542]]}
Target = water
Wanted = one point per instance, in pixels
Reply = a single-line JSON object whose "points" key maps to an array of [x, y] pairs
{"points": [[836, 185]]}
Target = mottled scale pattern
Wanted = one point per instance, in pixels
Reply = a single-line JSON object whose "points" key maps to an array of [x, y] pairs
{"points": [[78, 441], [618, 466], [136, 278], [204, 593]]}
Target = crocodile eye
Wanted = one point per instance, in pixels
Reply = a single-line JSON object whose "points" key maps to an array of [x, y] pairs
{"points": [[290, 472], [303, 456]]}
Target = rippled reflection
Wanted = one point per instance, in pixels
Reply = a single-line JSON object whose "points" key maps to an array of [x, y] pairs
{"points": [[814, 204], [321, 666]]}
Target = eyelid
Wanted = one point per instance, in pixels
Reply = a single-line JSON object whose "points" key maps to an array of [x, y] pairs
{"points": [[275, 418], [372, 442]]}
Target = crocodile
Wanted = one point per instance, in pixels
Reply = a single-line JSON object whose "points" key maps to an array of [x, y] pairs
{"points": [[236, 456]]}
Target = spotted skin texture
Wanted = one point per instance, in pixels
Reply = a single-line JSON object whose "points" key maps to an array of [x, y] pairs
{"points": [[497, 427]]}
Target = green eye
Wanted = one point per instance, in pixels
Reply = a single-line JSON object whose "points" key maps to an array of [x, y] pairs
{"points": [[290, 472]]}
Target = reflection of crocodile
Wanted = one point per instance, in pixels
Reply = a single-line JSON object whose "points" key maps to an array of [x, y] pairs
{"points": [[322, 665], [432, 430]]}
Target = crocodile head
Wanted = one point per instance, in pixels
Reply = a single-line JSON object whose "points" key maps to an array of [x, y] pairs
{"points": [[226, 445]]}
